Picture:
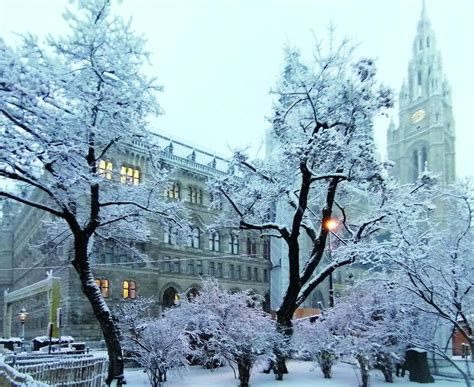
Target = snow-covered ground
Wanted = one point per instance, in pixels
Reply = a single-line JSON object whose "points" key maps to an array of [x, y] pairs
{"points": [[302, 374]]}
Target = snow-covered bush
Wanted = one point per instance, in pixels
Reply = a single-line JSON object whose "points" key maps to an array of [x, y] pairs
{"points": [[157, 344], [318, 340], [234, 325]]}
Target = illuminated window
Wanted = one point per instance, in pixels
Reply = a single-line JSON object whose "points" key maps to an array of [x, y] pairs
{"points": [[214, 241], [105, 169], [129, 175], [129, 289], [173, 191], [103, 285]]}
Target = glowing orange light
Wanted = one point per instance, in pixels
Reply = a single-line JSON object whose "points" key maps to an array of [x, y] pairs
{"points": [[330, 224]]}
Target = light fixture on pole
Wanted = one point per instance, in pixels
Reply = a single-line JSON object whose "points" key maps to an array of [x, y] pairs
{"points": [[330, 225], [23, 315]]}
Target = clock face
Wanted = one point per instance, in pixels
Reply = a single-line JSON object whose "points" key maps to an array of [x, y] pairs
{"points": [[418, 116]]}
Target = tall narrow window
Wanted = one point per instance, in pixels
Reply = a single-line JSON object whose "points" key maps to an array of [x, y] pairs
{"points": [[233, 244], [199, 267], [105, 169], [251, 247], [129, 289], [212, 269], [103, 285], [214, 241], [266, 248], [170, 235], [129, 175], [194, 238]]}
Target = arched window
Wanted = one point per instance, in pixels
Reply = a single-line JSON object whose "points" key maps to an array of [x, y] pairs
{"points": [[214, 241], [233, 244], [170, 298], [251, 247], [129, 289], [170, 236], [194, 238], [173, 191], [105, 169], [103, 285], [194, 195]]}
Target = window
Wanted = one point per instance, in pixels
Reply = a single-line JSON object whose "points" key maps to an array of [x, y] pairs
{"points": [[194, 195], [170, 236], [173, 191], [175, 266], [194, 238], [265, 275], [129, 175], [190, 267], [255, 274], [212, 269], [214, 241], [266, 248], [103, 285], [199, 267], [231, 271], [105, 169], [233, 244], [166, 264], [129, 289], [249, 273], [216, 201], [238, 273], [251, 247], [219, 270]]}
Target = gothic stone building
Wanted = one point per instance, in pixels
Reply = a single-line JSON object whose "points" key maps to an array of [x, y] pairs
{"points": [[424, 139], [240, 261]]}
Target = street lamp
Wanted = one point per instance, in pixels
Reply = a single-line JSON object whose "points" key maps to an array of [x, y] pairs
{"points": [[23, 315], [330, 225]]}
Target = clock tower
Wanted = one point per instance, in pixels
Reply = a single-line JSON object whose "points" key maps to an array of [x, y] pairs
{"points": [[425, 137]]}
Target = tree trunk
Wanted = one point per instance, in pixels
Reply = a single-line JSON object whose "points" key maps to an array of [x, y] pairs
{"points": [[244, 367], [285, 326], [364, 370], [102, 313], [385, 365]]}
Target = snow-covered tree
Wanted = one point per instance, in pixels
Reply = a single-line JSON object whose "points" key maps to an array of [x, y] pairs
{"points": [[233, 324], [318, 340], [431, 257], [322, 163], [370, 326], [157, 344], [69, 106]]}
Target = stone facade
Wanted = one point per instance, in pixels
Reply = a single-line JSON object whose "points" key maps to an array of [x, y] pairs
{"points": [[424, 139], [239, 260]]}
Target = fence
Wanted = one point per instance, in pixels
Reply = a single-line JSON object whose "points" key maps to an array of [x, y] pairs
{"points": [[10, 377], [78, 371]]}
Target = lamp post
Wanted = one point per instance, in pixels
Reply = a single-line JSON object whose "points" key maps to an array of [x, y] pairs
{"points": [[330, 225], [23, 315]]}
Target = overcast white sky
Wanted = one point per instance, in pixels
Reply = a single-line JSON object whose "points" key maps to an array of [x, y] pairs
{"points": [[218, 59]]}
